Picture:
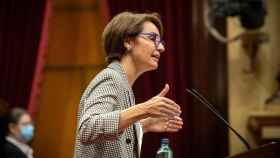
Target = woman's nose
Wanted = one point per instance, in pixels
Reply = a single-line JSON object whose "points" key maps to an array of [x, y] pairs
{"points": [[161, 48]]}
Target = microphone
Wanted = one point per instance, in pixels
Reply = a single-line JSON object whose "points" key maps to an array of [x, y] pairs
{"points": [[206, 103]]}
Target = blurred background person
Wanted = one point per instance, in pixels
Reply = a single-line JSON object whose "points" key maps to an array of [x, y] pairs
{"points": [[20, 131]]}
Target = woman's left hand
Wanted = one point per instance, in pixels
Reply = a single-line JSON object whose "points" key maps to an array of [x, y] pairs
{"points": [[162, 124]]}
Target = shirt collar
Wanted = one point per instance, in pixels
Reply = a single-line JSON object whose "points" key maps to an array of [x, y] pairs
{"points": [[116, 65], [22, 146]]}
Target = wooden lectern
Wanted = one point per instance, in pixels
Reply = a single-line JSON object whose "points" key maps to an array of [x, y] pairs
{"points": [[271, 150]]}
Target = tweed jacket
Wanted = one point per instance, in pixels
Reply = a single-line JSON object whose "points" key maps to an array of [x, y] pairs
{"points": [[98, 117]]}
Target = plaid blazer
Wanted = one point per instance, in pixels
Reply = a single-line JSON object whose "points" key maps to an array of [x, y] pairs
{"points": [[98, 118]]}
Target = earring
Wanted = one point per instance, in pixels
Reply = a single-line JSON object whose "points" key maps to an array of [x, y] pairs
{"points": [[128, 48]]}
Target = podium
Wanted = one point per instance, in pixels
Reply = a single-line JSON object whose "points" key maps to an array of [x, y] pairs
{"points": [[271, 150]]}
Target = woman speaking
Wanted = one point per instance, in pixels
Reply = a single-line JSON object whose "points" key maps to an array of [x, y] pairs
{"points": [[110, 124]]}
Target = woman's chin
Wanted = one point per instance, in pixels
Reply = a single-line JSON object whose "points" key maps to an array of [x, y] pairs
{"points": [[151, 66], [154, 66]]}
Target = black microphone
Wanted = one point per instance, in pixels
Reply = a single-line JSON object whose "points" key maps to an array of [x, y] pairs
{"points": [[205, 102]]}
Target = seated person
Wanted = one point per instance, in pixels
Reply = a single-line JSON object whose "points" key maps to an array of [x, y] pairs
{"points": [[19, 132]]}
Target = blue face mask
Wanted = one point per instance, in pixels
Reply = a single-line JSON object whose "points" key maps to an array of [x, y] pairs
{"points": [[27, 132]]}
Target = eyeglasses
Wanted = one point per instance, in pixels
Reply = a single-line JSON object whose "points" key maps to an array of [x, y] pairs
{"points": [[153, 37]]}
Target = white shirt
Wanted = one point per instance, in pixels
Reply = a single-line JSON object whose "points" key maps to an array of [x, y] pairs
{"points": [[22, 146], [139, 133]]}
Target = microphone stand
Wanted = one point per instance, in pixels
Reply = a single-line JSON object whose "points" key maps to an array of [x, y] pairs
{"points": [[205, 102]]}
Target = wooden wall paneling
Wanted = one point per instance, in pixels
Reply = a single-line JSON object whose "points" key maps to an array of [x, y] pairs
{"points": [[75, 36], [55, 121], [56, 117], [74, 57], [75, 2]]}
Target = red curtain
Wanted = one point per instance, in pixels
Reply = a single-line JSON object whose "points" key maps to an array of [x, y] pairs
{"points": [[192, 59], [21, 50], [37, 77]]}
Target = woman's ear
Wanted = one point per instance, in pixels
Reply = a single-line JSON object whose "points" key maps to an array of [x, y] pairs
{"points": [[128, 44], [128, 47]]}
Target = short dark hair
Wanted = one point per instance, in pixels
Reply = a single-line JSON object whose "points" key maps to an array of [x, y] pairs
{"points": [[15, 114], [13, 117], [122, 26]]}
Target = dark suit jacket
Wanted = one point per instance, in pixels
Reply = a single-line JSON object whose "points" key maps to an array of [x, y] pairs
{"points": [[11, 151]]}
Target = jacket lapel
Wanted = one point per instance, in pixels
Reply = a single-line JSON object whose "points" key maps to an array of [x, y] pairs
{"points": [[131, 99]]}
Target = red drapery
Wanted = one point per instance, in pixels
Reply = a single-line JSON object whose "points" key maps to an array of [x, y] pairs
{"points": [[37, 77], [22, 43]]}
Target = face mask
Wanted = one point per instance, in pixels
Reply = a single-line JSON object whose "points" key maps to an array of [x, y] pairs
{"points": [[27, 132]]}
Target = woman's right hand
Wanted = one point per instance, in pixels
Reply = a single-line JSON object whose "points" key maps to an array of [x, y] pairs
{"points": [[160, 106]]}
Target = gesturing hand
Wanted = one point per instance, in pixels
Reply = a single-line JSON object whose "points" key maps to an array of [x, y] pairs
{"points": [[162, 124], [160, 106]]}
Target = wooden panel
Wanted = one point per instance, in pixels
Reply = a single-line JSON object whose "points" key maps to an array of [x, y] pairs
{"points": [[249, 91], [74, 56], [75, 37], [87, 73], [56, 117], [80, 2]]}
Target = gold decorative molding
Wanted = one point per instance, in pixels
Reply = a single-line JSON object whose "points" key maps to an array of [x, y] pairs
{"points": [[265, 126]]}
